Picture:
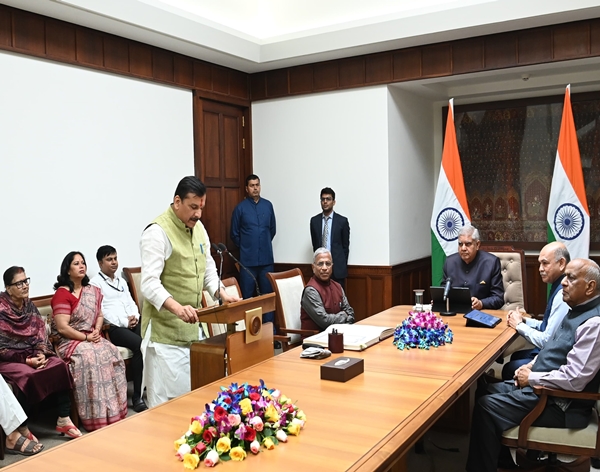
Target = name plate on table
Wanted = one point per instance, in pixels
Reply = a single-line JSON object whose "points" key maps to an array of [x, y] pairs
{"points": [[342, 369]]}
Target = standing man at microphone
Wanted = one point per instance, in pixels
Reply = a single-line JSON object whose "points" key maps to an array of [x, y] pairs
{"points": [[478, 270], [253, 228], [176, 268]]}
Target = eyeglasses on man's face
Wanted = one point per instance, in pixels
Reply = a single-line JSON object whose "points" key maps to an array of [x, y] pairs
{"points": [[326, 199], [21, 283]]}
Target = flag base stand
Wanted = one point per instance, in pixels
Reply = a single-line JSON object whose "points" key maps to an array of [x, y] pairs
{"points": [[447, 313]]}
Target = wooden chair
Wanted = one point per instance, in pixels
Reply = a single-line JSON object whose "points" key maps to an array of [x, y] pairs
{"points": [[232, 288], [584, 443], [241, 355], [288, 287], [133, 276]]}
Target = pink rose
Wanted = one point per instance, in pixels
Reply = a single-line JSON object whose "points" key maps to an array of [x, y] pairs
{"points": [[234, 420], [211, 458], [257, 423], [255, 447]]}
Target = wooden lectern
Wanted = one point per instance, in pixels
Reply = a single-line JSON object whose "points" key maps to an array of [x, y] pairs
{"points": [[207, 357]]}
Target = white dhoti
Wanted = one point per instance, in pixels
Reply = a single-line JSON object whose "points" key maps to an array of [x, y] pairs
{"points": [[11, 413], [166, 369]]}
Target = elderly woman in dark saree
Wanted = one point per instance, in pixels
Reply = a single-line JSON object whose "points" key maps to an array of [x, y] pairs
{"points": [[27, 360], [96, 365]]}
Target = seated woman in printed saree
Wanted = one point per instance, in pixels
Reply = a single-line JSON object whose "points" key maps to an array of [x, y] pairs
{"points": [[96, 365], [27, 360]]}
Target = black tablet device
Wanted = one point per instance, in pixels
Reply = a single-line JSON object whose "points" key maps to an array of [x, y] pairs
{"points": [[460, 299], [479, 319]]}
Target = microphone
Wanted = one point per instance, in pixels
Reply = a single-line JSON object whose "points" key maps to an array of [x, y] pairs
{"points": [[447, 288], [220, 253], [224, 249]]}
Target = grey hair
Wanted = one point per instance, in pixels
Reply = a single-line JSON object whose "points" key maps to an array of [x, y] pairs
{"points": [[469, 230], [321, 250], [560, 252], [591, 271]]}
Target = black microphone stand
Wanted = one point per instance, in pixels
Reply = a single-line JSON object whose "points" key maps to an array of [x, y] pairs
{"points": [[224, 249], [220, 252]]}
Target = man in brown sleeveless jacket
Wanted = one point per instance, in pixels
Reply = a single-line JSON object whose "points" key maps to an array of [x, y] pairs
{"points": [[323, 301]]}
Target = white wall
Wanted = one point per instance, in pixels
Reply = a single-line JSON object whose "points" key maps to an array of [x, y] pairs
{"points": [[411, 171], [87, 159], [336, 140]]}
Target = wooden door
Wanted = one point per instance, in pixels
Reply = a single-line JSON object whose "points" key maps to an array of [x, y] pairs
{"points": [[222, 161]]}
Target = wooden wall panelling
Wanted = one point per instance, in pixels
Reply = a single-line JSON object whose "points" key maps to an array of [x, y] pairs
{"points": [[595, 37], [116, 54], [140, 59], [220, 80], [5, 27], [28, 32], [535, 46], [571, 40], [183, 70], [437, 60], [467, 55], [378, 68], [301, 79], [407, 64], [277, 82], [500, 51], [238, 84], [325, 76], [90, 47], [163, 67], [60, 40], [352, 72]]}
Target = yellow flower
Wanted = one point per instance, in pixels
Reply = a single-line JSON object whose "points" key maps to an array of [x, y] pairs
{"points": [[179, 442], [283, 400], [271, 413], [300, 415], [246, 406], [268, 443], [237, 454], [196, 427], [293, 429], [223, 445], [266, 394], [190, 461]]}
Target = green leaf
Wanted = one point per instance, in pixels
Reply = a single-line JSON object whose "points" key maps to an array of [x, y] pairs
{"points": [[225, 457]]}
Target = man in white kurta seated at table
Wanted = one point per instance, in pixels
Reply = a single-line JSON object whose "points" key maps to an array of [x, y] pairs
{"points": [[176, 267], [11, 417]]}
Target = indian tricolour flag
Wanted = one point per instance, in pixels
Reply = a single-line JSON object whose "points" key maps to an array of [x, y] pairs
{"points": [[450, 210], [568, 214]]}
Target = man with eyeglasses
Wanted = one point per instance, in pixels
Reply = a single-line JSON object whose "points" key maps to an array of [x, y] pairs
{"points": [[323, 300], [478, 270], [123, 316], [332, 231]]}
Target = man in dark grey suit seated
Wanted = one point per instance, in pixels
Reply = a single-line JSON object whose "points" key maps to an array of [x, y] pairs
{"points": [[478, 270], [568, 361], [332, 231]]}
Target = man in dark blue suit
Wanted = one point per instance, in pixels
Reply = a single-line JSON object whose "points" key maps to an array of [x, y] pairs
{"points": [[332, 231], [478, 270]]}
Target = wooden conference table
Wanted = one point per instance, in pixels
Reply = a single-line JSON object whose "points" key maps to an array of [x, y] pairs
{"points": [[365, 424]]}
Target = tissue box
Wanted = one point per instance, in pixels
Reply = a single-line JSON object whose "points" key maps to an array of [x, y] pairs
{"points": [[340, 371]]}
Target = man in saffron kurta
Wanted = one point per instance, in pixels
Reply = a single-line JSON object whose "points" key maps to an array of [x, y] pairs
{"points": [[323, 300], [176, 268]]}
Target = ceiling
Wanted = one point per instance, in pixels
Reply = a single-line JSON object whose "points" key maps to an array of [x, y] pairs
{"points": [[258, 35]]}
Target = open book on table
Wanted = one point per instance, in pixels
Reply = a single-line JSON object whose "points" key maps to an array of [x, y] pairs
{"points": [[357, 337]]}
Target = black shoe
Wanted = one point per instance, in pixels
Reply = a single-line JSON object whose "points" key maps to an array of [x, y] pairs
{"points": [[595, 463], [139, 406], [277, 345]]}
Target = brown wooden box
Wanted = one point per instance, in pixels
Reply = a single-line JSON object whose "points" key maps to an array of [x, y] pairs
{"points": [[343, 372]]}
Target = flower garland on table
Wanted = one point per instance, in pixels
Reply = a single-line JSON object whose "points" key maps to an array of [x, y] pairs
{"points": [[422, 330], [240, 419]]}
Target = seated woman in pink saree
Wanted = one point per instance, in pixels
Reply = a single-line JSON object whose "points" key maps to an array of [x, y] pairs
{"points": [[96, 365]]}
